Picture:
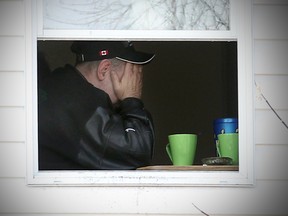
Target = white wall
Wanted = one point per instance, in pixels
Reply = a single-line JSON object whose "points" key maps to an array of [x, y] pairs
{"points": [[269, 196]]}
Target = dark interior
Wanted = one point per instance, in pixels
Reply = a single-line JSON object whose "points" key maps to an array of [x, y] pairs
{"points": [[186, 87]]}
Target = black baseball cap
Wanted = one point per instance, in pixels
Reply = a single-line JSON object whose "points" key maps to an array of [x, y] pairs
{"points": [[99, 50]]}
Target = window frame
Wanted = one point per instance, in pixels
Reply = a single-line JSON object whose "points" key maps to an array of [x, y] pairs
{"points": [[240, 31]]}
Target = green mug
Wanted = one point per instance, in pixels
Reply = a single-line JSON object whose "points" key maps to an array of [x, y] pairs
{"points": [[181, 149], [227, 146]]}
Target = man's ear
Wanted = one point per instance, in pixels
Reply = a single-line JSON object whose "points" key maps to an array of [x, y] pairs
{"points": [[103, 68]]}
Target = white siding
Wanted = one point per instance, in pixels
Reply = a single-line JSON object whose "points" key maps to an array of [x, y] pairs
{"points": [[274, 88], [269, 196], [12, 53], [275, 170], [266, 197], [271, 57], [12, 160], [12, 18], [270, 20], [12, 94], [271, 74], [12, 89], [12, 124], [269, 130]]}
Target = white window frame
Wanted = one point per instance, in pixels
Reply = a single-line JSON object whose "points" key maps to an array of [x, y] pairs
{"points": [[240, 31]]}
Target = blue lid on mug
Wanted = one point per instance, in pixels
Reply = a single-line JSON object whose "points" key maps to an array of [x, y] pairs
{"points": [[226, 120]]}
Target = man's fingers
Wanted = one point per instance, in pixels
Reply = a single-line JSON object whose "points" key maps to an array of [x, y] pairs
{"points": [[128, 70], [115, 79], [130, 84]]}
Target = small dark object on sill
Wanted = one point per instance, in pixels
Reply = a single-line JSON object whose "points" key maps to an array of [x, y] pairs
{"points": [[217, 161]]}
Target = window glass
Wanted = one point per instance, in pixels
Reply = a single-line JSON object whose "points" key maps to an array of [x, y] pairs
{"points": [[140, 15], [186, 87]]}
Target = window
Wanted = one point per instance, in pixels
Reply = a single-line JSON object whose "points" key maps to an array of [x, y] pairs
{"points": [[234, 46], [187, 85]]}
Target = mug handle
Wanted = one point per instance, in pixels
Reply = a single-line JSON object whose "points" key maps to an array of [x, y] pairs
{"points": [[217, 147], [168, 151]]}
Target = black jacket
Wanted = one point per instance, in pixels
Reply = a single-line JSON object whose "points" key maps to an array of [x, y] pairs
{"points": [[80, 129]]}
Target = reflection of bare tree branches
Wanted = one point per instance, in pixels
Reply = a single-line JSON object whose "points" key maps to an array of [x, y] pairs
{"points": [[140, 14], [195, 14], [218, 17]]}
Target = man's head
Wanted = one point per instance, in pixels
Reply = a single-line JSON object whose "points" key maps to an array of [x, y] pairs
{"points": [[108, 65]]}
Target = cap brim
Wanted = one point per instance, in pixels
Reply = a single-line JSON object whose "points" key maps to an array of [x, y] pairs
{"points": [[137, 57]]}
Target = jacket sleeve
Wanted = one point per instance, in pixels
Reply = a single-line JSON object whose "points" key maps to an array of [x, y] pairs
{"points": [[122, 140]]}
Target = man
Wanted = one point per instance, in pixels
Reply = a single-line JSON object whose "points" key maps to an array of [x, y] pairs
{"points": [[91, 116]]}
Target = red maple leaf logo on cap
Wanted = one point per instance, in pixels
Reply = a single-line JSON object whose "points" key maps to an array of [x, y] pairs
{"points": [[103, 52]]}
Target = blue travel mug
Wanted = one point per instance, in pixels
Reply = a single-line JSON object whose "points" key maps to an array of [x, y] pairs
{"points": [[224, 125]]}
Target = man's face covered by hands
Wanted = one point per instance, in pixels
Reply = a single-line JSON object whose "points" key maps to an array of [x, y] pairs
{"points": [[127, 81]]}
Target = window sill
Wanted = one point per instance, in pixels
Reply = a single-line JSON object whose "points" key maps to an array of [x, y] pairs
{"points": [[192, 168], [147, 176]]}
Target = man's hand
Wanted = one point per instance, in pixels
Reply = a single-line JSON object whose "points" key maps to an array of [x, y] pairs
{"points": [[130, 84]]}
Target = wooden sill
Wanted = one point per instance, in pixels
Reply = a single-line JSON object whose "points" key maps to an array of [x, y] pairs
{"points": [[191, 168]]}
